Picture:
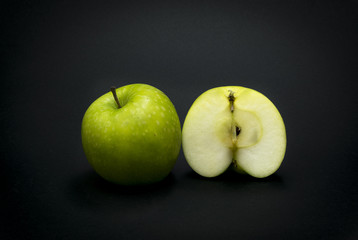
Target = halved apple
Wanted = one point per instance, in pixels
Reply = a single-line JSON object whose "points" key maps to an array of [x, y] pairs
{"points": [[234, 126]]}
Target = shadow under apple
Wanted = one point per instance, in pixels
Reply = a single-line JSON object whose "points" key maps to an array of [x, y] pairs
{"points": [[234, 177], [92, 191], [239, 182]]}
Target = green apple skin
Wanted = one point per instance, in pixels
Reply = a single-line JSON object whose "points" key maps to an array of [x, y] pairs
{"points": [[136, 144], [234, 127]]}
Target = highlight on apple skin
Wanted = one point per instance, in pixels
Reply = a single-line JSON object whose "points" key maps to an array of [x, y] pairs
{"points": [[132, 135], [234, 127]]}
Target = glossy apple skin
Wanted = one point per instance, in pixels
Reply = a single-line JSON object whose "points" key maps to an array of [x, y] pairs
{"points": [[136, 144]]}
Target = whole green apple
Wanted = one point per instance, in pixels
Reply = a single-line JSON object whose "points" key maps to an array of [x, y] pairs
{"points": [[132, 136]]}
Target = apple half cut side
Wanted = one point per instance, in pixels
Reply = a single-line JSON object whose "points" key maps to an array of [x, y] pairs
{"points": [[234, 127]]}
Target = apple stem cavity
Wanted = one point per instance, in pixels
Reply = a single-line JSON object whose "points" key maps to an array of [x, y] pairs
{"points": [[113, 90]]}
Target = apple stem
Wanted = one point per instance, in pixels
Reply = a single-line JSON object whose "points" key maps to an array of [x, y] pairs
{"points": [[113, 90], [231, 100]]}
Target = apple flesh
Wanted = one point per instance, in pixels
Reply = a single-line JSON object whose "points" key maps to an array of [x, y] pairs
{"points": [[234, 126], [135, 141]]}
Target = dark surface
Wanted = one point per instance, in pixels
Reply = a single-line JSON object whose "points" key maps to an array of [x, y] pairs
{"points": [[57, 57]]}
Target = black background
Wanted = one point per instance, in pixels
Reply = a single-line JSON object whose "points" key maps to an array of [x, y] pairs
{"points": [[57, 57]]}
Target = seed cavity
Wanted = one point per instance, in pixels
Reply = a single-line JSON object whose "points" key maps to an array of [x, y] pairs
{"points": [[237, 130]]}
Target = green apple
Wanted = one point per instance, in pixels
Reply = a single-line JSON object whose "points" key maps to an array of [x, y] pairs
{"points": [[234, 127], [132, 136]]}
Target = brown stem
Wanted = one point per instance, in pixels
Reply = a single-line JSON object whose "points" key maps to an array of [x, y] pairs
{"points": [[231, 100], [113, 90]]}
